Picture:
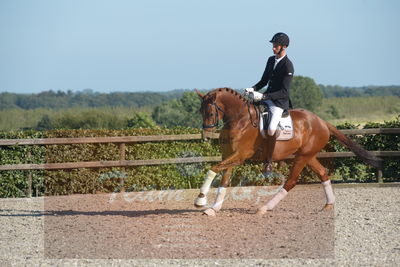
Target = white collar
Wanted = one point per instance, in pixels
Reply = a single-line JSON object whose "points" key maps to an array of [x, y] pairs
{"points": [[279, 59]]}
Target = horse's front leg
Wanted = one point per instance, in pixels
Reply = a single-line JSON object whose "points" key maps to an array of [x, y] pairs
{"points": [[201, 199], [231, 161], [221, 192]]}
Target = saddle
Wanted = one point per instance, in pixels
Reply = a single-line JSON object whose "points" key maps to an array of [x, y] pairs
{"points": [[285, 126]]}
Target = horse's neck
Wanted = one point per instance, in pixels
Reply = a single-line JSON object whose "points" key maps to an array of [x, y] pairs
{"points": [[235, 110]]}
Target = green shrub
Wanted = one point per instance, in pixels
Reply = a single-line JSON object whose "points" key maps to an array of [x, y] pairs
{"points": [[14, 183], [61, 182]]}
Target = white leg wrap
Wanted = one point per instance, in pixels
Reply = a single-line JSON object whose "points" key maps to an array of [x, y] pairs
{"points": [[221, 192], [275, 200], [330, 197], [207, 182], [202, 201]]}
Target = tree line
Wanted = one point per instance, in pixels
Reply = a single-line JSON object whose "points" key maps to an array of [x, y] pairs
{"points": [[365, 91], [119, 110], [86, 98]]}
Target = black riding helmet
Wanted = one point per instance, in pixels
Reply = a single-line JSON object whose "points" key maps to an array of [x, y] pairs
{"points": [[281, 39]]}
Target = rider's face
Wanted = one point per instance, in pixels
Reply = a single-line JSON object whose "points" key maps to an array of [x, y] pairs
{"points": [[276, 48]]}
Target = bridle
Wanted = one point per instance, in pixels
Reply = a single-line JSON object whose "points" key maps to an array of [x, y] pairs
{"points": [[217, 108], [216, 123]]}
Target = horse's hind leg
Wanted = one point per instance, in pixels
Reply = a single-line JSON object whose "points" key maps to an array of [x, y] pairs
{"points": [[322, 173], [221, 191], [298, 165]]}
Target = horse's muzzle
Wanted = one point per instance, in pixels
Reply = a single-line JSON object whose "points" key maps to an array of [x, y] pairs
{"points": [[207, 135]]}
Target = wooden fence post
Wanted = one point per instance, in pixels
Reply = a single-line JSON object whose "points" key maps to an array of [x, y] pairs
{"points": [[29, 177], [379, 176], [122, 154]]}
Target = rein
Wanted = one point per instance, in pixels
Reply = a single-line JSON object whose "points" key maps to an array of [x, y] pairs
{"points": [[217, 108], [253, 123]]}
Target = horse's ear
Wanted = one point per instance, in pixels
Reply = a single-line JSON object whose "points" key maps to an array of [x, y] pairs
{"points": [[199, 94]]}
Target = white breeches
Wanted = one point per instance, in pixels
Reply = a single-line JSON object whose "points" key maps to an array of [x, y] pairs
{"points": [[276, 116]]}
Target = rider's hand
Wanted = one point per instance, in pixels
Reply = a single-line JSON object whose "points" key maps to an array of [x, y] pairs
{"points": [[257, 96], [249, 90]]}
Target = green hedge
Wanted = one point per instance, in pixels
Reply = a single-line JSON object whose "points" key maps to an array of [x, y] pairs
{"points": [[13, 183], [353, 169], [61, 182]]}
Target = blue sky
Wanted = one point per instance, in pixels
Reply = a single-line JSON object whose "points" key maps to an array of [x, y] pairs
{"points": [[160, 45]]}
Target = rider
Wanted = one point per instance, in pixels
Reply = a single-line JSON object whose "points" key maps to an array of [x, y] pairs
{"points": [[278, 74]]}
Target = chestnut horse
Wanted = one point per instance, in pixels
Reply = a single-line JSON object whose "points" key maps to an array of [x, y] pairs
{"points": [[241, 140]]}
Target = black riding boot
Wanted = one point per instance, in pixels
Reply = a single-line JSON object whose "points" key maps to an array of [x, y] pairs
{"points": [[271, 141]]}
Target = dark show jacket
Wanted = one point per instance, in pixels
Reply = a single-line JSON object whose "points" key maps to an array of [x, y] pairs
{"points": [[278, 80]]}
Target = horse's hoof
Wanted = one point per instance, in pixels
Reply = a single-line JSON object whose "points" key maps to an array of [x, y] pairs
{"points": [[261, 211], [200, 202], [327, 207], [209, 212]]}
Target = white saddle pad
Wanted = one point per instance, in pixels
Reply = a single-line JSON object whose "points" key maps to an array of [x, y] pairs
{"points": [[286, 131]]}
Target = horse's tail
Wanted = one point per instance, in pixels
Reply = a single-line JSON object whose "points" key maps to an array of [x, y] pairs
{"points": [[366, 156]]}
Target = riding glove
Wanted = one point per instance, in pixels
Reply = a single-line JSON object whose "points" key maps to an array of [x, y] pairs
{"points": [[257, 96]]}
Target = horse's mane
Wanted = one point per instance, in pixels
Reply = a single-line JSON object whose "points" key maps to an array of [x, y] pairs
{"points": [[228, 90]]}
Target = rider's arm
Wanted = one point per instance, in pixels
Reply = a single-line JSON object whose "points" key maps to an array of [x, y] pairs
{"points": [[286, 83], [266, 75], [276, 95]]}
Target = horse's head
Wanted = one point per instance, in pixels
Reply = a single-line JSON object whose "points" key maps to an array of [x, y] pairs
{"points": [[211, 113]]}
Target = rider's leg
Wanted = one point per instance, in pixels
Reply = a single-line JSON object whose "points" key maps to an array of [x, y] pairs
{"points": [[276, 114], [276, 117], [271, 141]]}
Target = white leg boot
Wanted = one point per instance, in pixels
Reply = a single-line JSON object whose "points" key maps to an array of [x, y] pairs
{"points": [[330, 197], [201, 200], [273, 202], [221, 192]]}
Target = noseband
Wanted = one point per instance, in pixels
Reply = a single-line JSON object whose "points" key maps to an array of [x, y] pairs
{"points": [[216, 123]]}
